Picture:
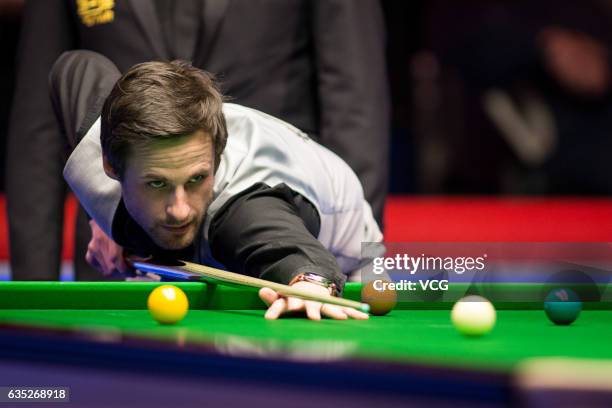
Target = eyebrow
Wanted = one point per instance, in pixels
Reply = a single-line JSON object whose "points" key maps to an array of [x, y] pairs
{"points": [[156, 176]]}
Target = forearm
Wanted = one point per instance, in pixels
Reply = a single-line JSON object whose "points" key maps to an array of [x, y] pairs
{"points": [[264, 233]]}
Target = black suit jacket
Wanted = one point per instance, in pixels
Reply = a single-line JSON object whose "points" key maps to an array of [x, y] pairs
{"points": [[316, 64]]}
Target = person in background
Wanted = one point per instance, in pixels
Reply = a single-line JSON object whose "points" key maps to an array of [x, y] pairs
{"points": [[524, 96]]}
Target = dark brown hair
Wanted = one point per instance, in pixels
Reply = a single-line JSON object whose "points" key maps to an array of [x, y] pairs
{"points": [[160, 100]]}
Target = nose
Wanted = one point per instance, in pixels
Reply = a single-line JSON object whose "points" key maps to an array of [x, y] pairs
{"points": [[177, 208]]}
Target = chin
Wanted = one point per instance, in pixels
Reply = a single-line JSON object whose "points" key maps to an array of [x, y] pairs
{"points": [[173, 243], [175, 247]]}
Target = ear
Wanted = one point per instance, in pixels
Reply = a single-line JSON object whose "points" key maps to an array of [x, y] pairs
{"points": [[108, 169]]}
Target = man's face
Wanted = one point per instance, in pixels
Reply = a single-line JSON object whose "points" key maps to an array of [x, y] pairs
{"points": [[167, 187]]}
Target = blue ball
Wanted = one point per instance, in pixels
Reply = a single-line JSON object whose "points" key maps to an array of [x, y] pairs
{"points": [[562, 306]]}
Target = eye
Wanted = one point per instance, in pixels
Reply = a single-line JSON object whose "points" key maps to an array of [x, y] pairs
{"points": [[157, 184], [196, 179]]}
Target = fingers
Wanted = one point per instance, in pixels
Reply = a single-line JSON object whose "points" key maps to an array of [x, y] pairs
{"points": [[99, 261], [108, 263], [94, 259], [313, 310], [91, 260], [276, 309], [103, 253], [333, 311], [279, 305], [355, 314], [295, 304], [343, 313], [121, 264]]}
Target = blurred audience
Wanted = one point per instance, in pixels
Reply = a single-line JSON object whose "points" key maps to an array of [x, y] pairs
{"points": [[514, 97]]}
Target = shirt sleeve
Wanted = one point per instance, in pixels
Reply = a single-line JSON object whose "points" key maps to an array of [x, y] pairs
{"points": [[270, 233]]}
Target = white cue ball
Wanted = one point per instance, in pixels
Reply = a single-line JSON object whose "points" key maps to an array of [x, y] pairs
{"points": [[473, 316]]}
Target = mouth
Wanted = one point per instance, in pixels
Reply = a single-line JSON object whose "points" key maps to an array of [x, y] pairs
{"points": [[177, 229]]}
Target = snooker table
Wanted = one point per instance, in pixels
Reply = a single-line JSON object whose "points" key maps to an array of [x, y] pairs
{"points": [[98, 339]]}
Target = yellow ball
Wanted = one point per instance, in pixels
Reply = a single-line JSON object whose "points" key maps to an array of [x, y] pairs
{"points": [[168, 304], [473, 316]]}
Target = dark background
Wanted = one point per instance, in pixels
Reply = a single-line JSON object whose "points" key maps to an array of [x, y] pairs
{"points": [[442, 58]]}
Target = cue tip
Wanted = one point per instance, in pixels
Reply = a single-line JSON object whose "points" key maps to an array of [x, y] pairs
{"points": [[365, 308]]}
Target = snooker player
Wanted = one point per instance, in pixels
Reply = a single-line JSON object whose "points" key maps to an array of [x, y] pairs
{"points": [[165, 168]]}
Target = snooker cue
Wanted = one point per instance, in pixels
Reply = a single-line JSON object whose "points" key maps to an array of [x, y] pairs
{"points": [[285, 290]]}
